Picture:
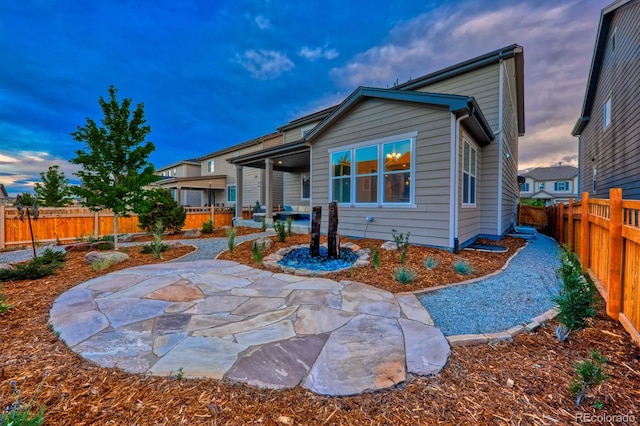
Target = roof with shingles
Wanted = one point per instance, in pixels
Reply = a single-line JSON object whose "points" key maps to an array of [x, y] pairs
{"points": [[552, 173]]}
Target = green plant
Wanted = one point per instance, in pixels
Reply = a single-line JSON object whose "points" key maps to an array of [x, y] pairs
{"points": [[404, 275], [280, 231], [157, 246], [54, 189], [231, 238], [39, 267], [289, 224], [256, 207], [158, 205], [402, 244], [180, 373], [20, 413], [462, 267], [430, 263], [577, 295], [263, 223], [4, 305], [257, 250], [207, 227], [375, 258], [99, 265], [589, 373]]}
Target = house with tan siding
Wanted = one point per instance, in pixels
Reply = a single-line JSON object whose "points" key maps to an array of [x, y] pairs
{"points": [[554, 185], [608, 128], [435, 156]]}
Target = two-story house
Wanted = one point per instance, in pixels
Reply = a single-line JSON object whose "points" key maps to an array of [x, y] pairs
{"points": [[608, 130], [436, 156], [552, 184]]}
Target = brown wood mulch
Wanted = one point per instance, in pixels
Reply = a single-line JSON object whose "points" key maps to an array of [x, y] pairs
{"points": [[473, 388]]}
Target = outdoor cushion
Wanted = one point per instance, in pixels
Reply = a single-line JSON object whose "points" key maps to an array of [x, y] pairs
{"points": [[288, 209]]}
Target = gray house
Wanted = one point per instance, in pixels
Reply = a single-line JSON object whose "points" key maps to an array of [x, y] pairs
{"points": [[435, 156], [552, 184], [608, 129]]}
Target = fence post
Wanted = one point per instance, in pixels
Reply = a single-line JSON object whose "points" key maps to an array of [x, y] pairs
{"points": [[585, 239], [615, 255], [570, 234], [561, 223], [96, 225], [2, 222]]}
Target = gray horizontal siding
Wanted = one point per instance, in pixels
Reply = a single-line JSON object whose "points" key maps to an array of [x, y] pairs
{"points": [[374, 119], [615, 151]]}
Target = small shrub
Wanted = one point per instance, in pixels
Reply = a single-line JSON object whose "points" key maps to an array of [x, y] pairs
{"points": [[231, 239], [375, 258], [4, 305], [99, 265], [19, 413], [402, 244], [289, 224], [263, 223], [279, 227], [157, 246], [256, 207], [462, 267], [257, 250], [207, 227], [51, 257], [159, 204], [404, 275], [180, 373], [147, 249], [430, 263], [41, 266], [589, 373], [577, 295]]}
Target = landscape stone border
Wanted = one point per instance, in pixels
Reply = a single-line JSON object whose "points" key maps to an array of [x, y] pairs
{"points": [[271, 261]]}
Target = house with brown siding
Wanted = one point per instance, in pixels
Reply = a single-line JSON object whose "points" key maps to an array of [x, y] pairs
{"points": [[608, 128], [436, 156]]}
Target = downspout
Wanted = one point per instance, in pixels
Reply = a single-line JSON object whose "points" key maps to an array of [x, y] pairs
{"points": [[454, 181], [500, 147]]}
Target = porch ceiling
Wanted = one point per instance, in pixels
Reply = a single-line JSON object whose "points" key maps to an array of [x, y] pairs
{"points": [[291, 157], [195, 182]]}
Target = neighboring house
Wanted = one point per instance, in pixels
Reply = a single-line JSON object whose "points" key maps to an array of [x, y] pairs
{"points": [[211, 180], [608, 130], [436, 156], [552, 184]]}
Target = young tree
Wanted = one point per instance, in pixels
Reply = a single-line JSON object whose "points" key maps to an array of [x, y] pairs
{"points": [[115, 168], [54, 190]]}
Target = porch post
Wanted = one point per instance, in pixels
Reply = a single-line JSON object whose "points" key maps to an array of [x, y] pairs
{"points": [[238, 191], [268, 182]]}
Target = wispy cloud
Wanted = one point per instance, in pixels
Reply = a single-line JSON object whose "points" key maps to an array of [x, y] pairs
{"points": [[265, 64], [262, 22], [31, 163], [555, 68], [318, 52]]}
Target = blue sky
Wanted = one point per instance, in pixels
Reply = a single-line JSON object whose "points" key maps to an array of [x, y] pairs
{"points": [[216, 73]]}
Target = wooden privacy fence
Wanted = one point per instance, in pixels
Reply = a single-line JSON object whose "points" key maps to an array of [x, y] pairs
{"points": [[532, 215], [73, 223], [605, 234]]}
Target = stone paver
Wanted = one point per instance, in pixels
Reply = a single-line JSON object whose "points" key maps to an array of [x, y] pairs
{"points": [[220, 319]]}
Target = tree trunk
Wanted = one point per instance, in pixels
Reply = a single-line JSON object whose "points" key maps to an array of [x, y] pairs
{"points": [[115, 231]]}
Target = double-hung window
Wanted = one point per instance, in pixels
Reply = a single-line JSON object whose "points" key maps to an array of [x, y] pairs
{"points": [[469, 174], [524, 187], [561, 186], [305, 187], [382, 172], [211, 166], [231, 193], [606, 113]]}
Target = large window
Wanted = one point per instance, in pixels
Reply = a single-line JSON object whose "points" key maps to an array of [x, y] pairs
{"points": [[231, 193], [305, 187], [469, 174], [341, 176], [606, 113], [382, 175], [561, 186]]}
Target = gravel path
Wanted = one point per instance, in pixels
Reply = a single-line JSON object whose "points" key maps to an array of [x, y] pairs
{"points": [[208, 248], [516, 295]]}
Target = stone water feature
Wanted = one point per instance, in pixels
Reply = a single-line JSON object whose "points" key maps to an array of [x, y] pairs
{"points": [[317, 259]]}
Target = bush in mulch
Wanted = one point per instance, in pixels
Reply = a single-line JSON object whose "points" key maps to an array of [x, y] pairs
{"points": [[41, 266]]}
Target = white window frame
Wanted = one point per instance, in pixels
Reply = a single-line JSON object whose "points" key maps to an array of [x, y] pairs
{"points": [[302, 177], [467, 174], [540, 186], [594, 181], [211, 166], [229, 193], [411, 136], [306, 129], [607, 109]]}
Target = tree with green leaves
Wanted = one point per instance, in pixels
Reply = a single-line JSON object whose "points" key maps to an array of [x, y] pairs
{"points": [[161, 206], [115, 167], [54, 190]]}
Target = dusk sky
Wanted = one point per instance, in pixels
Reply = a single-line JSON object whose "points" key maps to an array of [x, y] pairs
{"points": [[216, 73]]}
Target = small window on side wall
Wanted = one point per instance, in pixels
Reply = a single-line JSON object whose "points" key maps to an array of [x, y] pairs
{"points": [[231, 194], [469, 174], [606, 113], [595, 175], [211, 166], [305, 187]]}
